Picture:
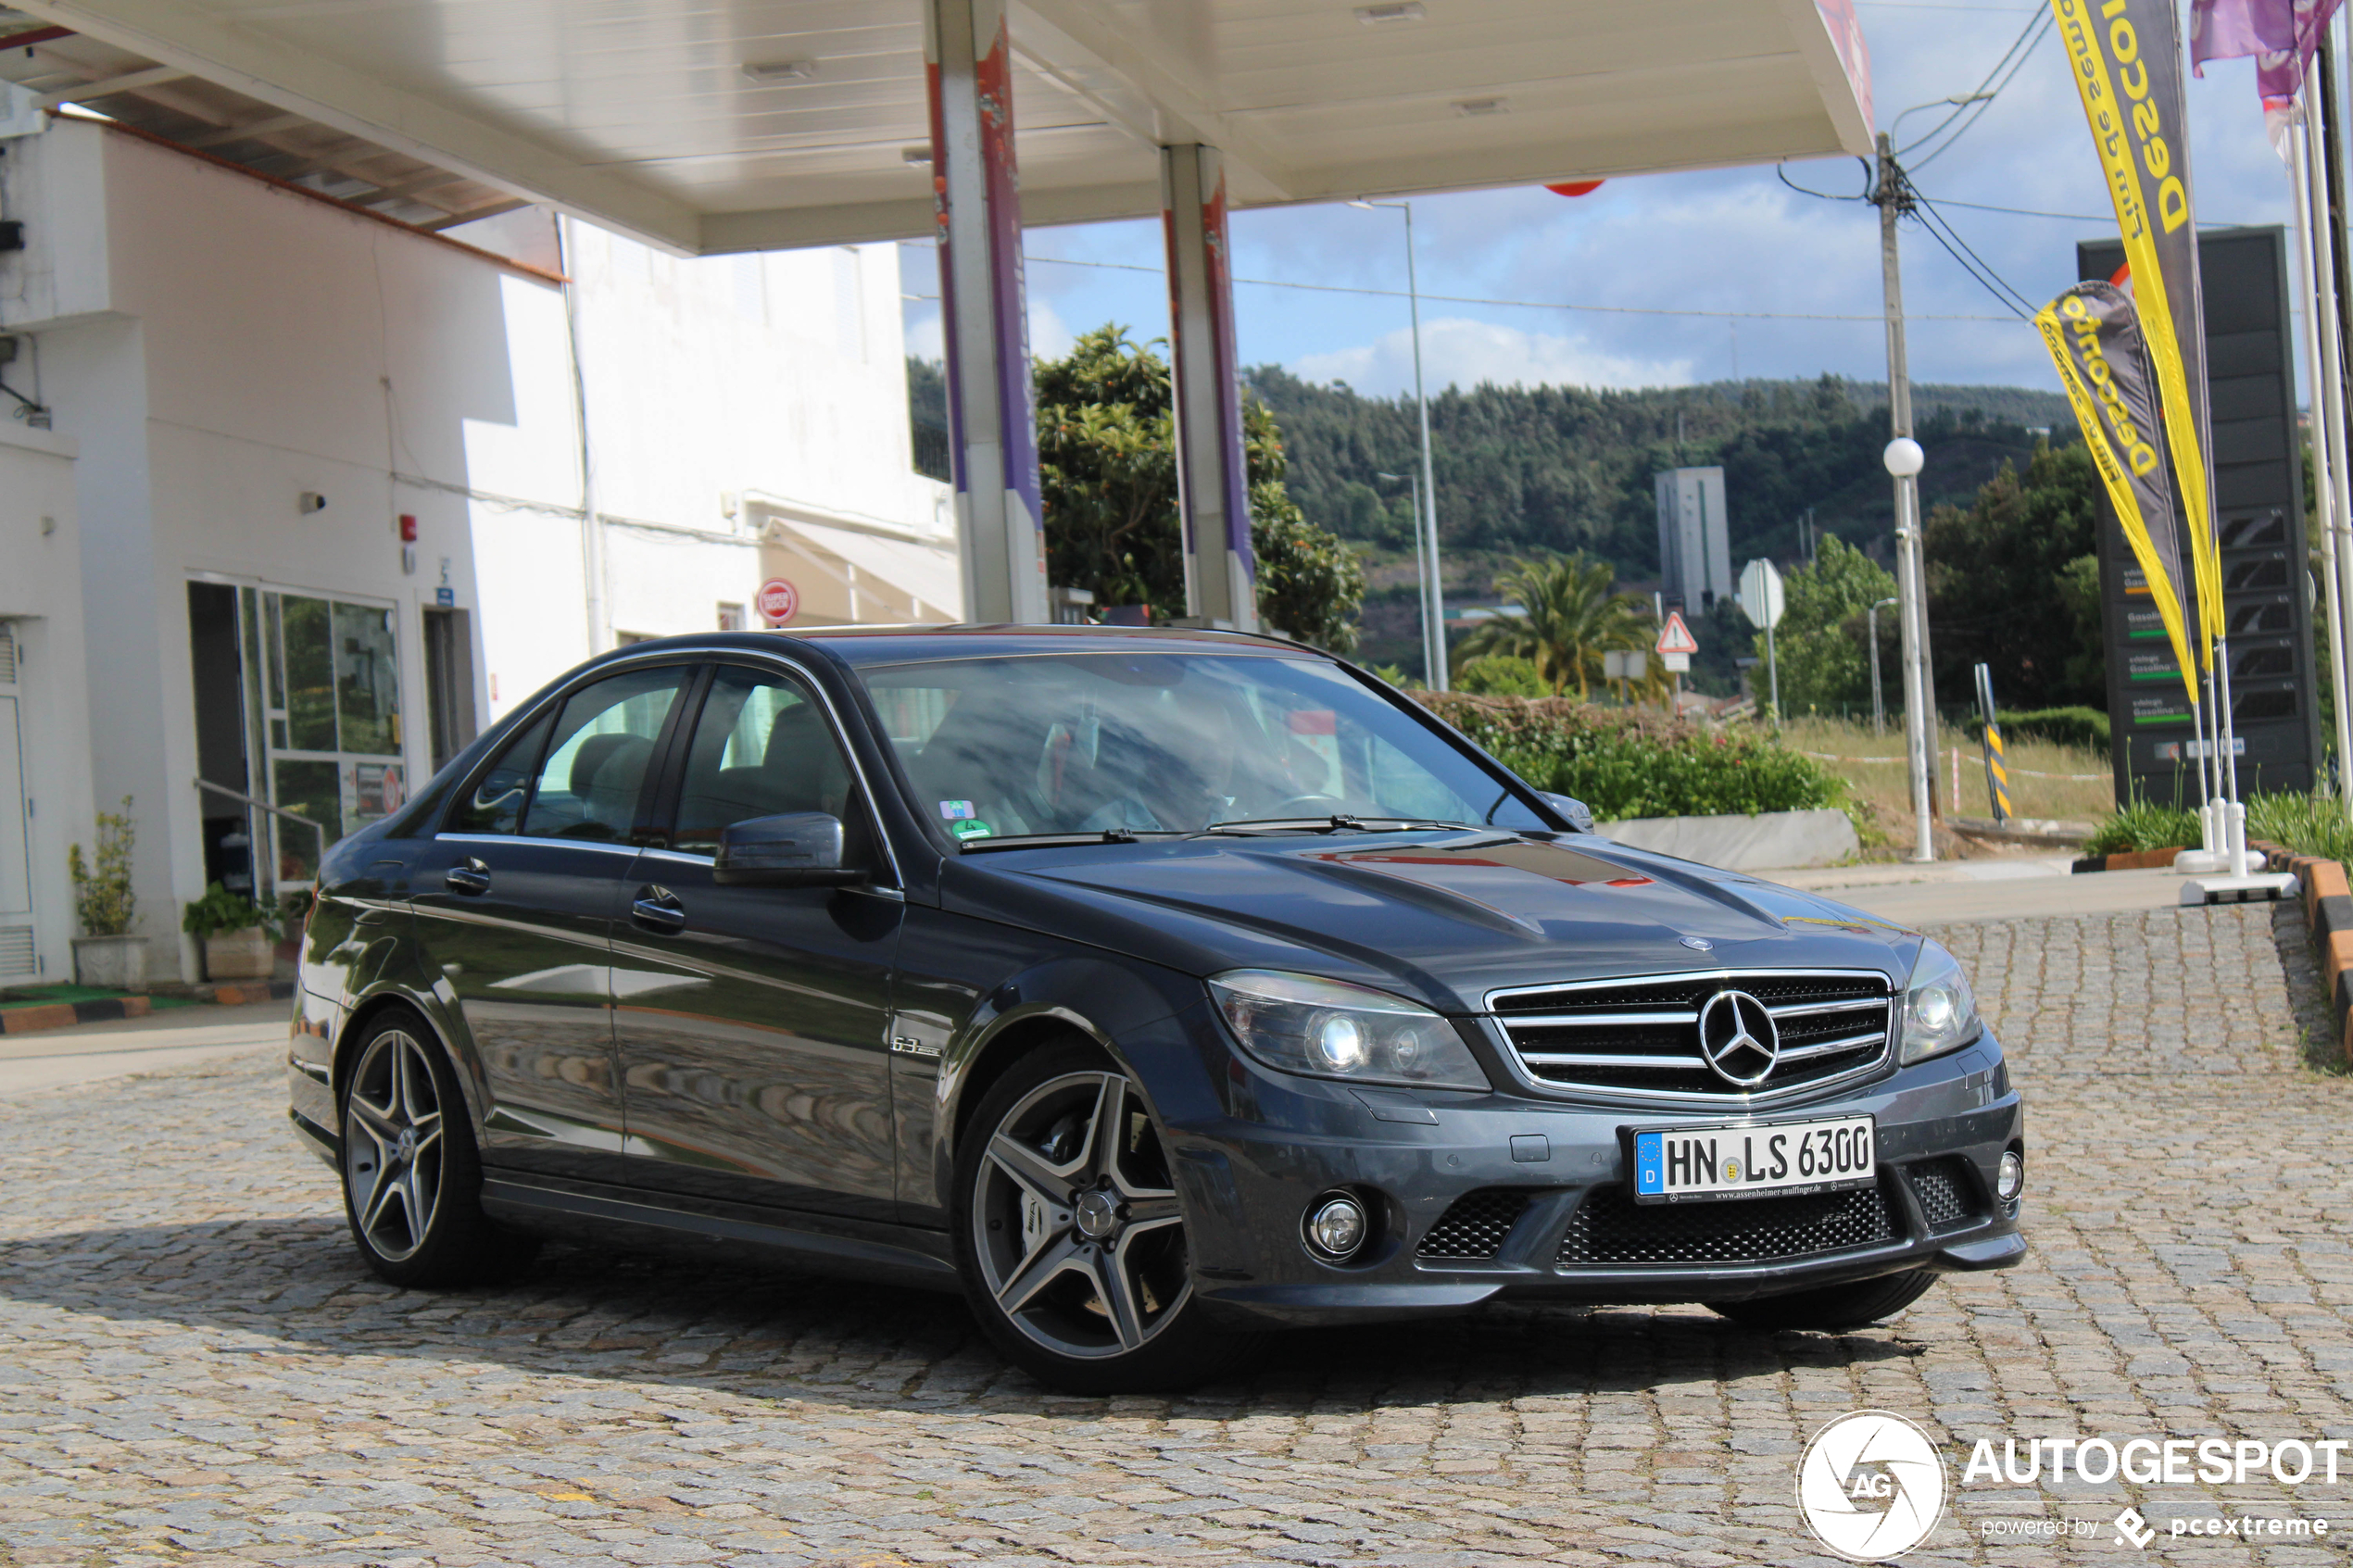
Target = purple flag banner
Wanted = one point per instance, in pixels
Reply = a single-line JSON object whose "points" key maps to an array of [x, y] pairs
{"points": [[2281, 34]]}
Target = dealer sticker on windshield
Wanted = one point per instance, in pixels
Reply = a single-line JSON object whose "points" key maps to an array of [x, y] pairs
{"points": [[1685, 1164]]}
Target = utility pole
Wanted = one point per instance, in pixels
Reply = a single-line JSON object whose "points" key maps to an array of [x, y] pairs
{"points": [[1904, 462], [1879, 708]]}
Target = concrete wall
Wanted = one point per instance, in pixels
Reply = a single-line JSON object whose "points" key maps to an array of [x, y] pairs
{"points": [[41, 601], [218, 347]]}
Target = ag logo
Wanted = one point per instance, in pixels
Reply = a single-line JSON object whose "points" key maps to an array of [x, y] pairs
{"points": [[1871, 1486]]}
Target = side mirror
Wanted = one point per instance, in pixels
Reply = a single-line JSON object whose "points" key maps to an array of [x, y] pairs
{"points": [[1579, 815], [796, 849]]}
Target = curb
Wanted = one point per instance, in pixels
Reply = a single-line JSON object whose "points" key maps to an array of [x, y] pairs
{"points": [[103, 1010], [2328, 915], [2130, 860]]}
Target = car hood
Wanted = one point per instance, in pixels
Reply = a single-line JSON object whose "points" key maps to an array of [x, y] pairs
{"points": [[1444, 916]]}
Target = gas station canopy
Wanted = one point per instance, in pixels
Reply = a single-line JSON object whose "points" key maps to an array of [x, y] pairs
{"points": [[713, 126]]}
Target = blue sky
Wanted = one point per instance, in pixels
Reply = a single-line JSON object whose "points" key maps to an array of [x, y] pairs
{"points": [[1730, 240]]}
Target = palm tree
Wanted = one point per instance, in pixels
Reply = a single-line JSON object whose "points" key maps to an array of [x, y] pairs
{"points": [[1573, 616]]}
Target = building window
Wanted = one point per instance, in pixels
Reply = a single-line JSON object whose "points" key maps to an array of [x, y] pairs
{"points": [[627, 639], [731, 617]]}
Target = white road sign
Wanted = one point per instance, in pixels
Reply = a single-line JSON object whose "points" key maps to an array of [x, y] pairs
{"points": [[1761, 594]]}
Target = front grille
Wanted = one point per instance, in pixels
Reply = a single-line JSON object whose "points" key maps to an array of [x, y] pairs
{"points": [[1641, 1036], [1946, 1194], [1610, 1227], [1475, 1225]]}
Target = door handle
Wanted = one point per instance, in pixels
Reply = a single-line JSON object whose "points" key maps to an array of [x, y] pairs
{"points": [[658, 908], [470, 876]]}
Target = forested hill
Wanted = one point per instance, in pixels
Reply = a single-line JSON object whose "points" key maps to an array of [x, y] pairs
{"points": [[1566, 468]]}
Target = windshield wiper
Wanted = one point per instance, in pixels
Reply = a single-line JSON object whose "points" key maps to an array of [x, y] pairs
{"points": [[1043, 840], [1337, 822]]}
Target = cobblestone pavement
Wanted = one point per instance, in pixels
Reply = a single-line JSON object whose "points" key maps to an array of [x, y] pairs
{"points": [[194, 1368]]}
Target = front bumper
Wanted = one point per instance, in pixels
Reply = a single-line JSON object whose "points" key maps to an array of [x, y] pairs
{"points": [[1546, 1218]]}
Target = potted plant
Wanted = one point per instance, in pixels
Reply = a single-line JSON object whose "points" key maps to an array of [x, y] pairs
{"points": [[107, 955], [235, 934]]}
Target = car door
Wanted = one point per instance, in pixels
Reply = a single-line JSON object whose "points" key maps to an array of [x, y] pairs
{"points": [[514, 902], [753, 1022]]}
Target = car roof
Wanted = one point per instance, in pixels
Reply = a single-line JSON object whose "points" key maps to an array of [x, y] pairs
{"points": [[907, 644]]}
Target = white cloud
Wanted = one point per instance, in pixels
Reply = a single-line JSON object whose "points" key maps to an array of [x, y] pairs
{"points": [[926, 340], [1048, 337], [1457, 351]]}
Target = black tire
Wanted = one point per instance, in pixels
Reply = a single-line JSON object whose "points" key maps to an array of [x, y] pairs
{"points": [[1832, 1309], [1091, 1292], [411, 1171]]}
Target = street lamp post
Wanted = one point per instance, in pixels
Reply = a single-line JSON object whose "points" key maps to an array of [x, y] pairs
{"points": [[1879, 708], [1433, 633], [1425, 506]]}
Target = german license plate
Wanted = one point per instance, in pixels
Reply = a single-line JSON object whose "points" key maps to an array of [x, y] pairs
{"points": [[1688, 1164]]}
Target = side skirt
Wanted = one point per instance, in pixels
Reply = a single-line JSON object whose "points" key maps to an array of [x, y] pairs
{"points": [[887, 1253]]}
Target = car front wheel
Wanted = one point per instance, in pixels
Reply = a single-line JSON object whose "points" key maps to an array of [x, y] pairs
{"points": [[1831, 1308], [1072, 1236], [411, 1174]]}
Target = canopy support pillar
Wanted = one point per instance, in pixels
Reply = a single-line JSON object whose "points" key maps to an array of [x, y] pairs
{"points": [[984, 311], [1213, 473]]}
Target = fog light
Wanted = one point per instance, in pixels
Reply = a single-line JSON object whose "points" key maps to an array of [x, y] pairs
{"points": [[2009, 1176], [1336, 1226]]}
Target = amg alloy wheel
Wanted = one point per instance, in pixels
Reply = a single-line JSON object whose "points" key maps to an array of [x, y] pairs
{"points": [[1073, 1241], [411, 1176]]}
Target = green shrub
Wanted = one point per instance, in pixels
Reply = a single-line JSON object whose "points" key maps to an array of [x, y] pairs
{"points": [[102, 892], [2085, 728], [1632, 762], [2309, 824], [220, 911], [1501, 674], [2145, 824]]}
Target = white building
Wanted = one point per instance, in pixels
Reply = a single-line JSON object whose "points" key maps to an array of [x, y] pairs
{"points": [[319, 494], [1695, 546]]}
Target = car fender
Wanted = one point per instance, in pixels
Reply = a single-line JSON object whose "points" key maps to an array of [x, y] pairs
{"points": [[1113, 1002]]}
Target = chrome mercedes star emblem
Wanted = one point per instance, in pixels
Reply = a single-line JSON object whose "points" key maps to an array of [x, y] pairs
{"points": [[1697, 944], [1737, 1036], [1098, 1214]]}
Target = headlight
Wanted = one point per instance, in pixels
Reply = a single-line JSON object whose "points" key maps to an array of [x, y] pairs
{"points": [[1940, 1012], [1298, 1023]]}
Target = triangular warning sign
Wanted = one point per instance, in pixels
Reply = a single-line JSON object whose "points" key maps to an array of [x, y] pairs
{"points": [[1676, 637]]}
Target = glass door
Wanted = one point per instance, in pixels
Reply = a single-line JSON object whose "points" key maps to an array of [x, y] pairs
{"points": [[323, 683]]}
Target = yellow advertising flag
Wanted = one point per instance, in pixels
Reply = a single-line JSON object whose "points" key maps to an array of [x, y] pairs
{"points": [[2126, 59], [2096, 340]]}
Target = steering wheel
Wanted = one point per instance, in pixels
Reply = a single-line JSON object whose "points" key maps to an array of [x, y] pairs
{"points": [[1311, 805]]}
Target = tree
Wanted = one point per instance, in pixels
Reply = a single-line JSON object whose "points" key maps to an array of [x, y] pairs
{"points": [[1822, 643], [1106, 447], [1573, 615], [2005, 583]]}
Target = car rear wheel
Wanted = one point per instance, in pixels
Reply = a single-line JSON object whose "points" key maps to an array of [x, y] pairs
{"points": [[1072, 1238], [1832, 1309], [411, 1174]]}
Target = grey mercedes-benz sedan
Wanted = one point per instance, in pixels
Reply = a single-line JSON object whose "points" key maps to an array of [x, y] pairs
{"points": [[1153, 990]]}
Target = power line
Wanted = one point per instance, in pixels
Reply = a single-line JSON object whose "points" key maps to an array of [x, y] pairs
{"points": [[1949, 238], [1516, 304], [1973, 108]]}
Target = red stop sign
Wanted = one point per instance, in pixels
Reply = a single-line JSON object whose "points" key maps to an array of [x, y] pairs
{"points": [[779, 601]]}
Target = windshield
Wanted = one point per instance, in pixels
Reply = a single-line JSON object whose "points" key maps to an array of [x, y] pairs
{"points": [[1171, 742]]}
